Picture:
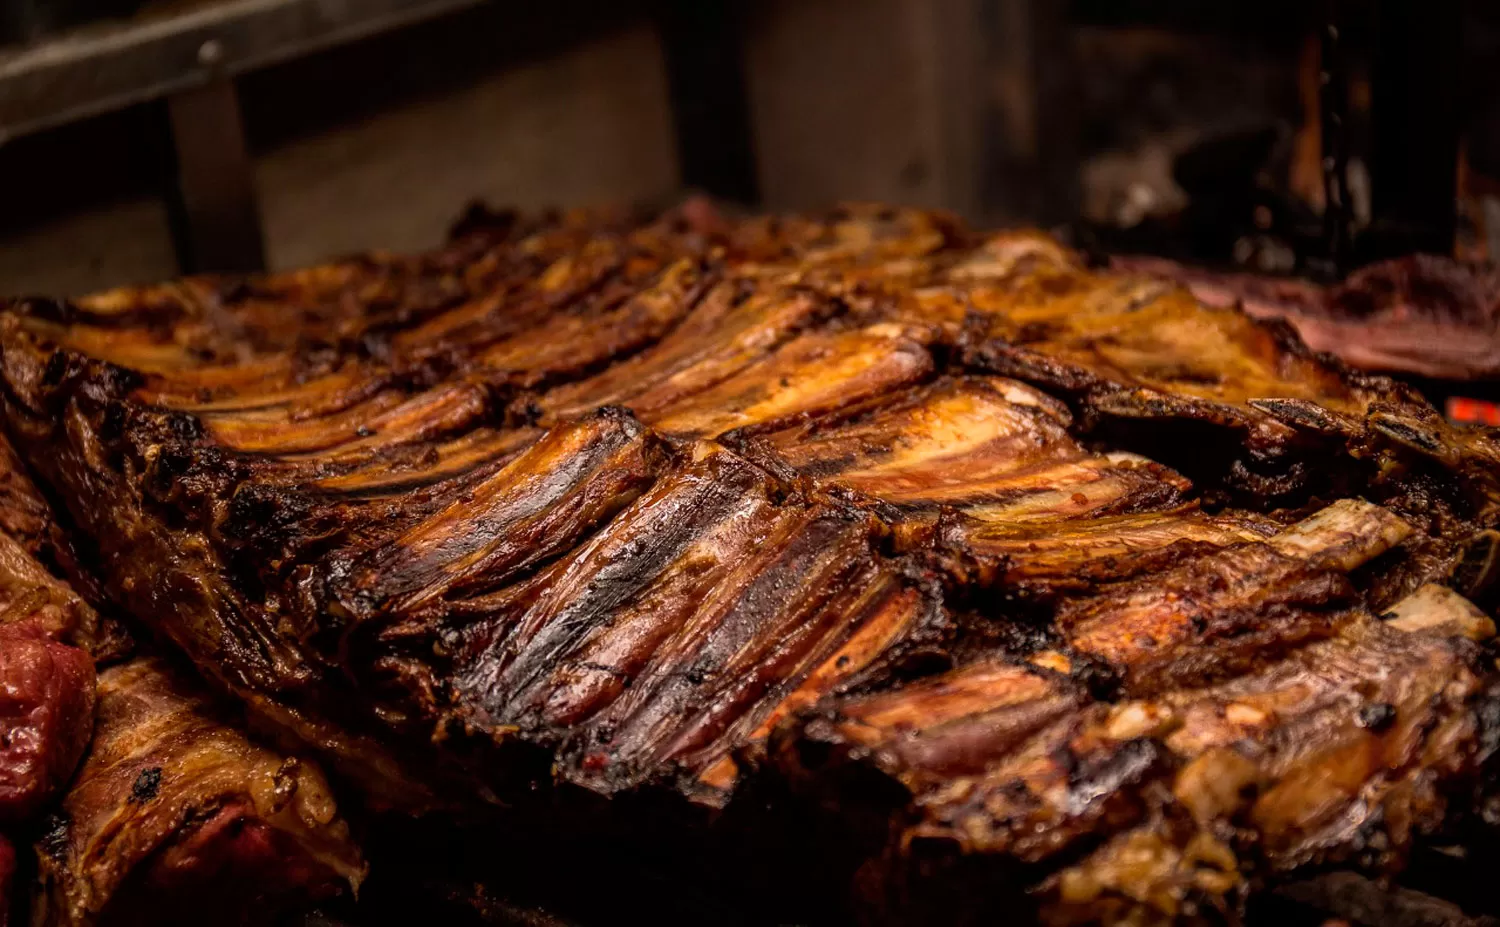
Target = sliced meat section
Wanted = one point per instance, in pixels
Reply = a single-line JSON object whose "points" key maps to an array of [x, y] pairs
{"points": [[930, 730], [726, 332], [478, 392], [974, 453], [534, 508], [1046, 558], [995, 448]]}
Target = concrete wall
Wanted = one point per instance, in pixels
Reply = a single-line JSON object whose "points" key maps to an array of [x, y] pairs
{"points": [[866, 99], [586, 123], [381, 145]]}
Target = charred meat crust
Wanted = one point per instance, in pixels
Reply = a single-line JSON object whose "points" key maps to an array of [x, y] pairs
{"points": [[644, 508], [175, 809]]}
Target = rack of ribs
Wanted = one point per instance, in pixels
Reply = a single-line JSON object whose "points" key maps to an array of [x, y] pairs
{"points": [[1048, 584]]}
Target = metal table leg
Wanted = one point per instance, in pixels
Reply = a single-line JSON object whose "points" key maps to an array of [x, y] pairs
{"points": [[216, 218], [706, 77]]}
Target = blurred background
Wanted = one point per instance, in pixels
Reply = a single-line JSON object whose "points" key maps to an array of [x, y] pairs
{"points": [[141, 140]]}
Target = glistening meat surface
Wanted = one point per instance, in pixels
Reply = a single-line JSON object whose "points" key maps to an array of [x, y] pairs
{"points": [[1007, 564], [175, 812]]}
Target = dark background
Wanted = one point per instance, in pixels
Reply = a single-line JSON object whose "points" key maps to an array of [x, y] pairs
{"points": [[1171, 126]]}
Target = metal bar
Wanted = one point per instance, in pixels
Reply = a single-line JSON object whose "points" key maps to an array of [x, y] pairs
{"points": [[1414, 110], [109, 66], [948, 50], [1031, 148], [701, 47], [217, 221]]}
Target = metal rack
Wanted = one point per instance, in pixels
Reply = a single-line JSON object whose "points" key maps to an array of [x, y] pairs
{"points": [[190, 53], [106, 66]]}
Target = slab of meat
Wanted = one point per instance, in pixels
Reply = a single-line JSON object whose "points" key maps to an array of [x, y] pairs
{"points": [[586, 514], [175, 812], [1170, 807], [46, 685], [1423, 315]]}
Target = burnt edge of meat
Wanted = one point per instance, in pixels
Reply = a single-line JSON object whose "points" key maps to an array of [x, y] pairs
{"points": [[427, 637]]}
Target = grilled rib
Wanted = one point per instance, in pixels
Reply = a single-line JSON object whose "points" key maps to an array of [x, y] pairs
{"points": [[1347, 750], [662, 508]]}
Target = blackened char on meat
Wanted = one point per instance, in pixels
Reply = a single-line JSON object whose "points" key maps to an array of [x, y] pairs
{"points": [[1078, 579], [175, 813], [1167, 807], [207, 815]]}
